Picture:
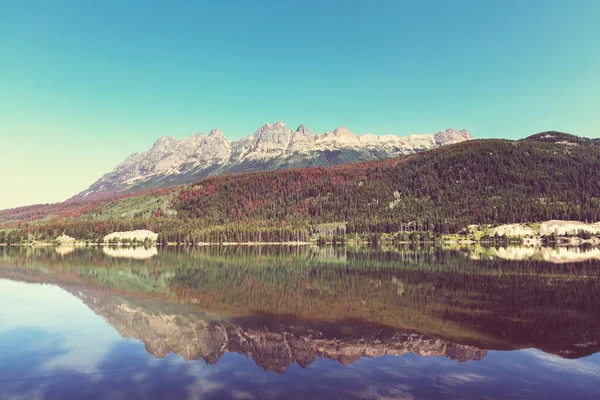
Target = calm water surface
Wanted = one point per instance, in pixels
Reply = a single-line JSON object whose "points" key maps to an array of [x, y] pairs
{"points": [[299, 323]]}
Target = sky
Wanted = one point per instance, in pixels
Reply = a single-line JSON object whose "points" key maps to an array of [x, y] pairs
{"points": [[85, 83]]}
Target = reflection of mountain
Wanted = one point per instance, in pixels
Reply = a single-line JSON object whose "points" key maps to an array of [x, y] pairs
{"points": [[488, 303], [273, 345]]}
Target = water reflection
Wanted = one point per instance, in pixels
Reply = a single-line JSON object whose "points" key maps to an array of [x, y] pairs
{"points": [[272, 344], [138, 253], [122, 373], [557, 255], [355, 318]]}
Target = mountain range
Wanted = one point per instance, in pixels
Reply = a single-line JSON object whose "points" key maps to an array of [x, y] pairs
{"points": [[273, 146], [547, 176]]}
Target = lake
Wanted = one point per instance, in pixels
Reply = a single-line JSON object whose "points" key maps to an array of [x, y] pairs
{"points": [[285, 322]]}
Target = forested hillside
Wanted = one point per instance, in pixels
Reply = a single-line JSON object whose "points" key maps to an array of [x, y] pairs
{"points": [[442, 190], [563, 138], [485, 181]]}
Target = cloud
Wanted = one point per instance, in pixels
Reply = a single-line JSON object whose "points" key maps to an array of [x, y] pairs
{"points": [[581, 366]]}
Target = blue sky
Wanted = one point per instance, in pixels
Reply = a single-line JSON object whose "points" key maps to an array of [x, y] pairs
{"points": [[85, 83]]}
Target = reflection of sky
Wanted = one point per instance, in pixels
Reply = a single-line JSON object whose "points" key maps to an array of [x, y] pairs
{"points": [[53, 347], [49, 311]]}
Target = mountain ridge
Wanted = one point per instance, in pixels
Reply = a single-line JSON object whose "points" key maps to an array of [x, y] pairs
{"points": [[272, 146]]}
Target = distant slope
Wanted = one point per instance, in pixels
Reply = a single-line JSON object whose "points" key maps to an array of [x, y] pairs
{"points": [[142, 204], [563, 138], [171, 162]]}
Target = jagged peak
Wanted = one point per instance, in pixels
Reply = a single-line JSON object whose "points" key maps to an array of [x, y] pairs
{"points": [[342, 131], [164, 142], [451, 135], [216, 132], [193, 140], [197, 152], [303, 130], [272, 124], [269, 125], [452, 130], [269, 129]]}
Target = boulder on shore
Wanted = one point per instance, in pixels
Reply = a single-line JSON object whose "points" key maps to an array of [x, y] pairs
{"points": [[65, 239]]}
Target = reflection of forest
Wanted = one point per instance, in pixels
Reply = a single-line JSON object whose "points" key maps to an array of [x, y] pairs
{"points": [[486, 303]]}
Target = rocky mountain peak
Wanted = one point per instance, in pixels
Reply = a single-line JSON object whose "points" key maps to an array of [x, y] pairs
{"points": [[271, 137], [164, 143], [301, 139], [216, 132], [342, 131], [274, 124], [303, 130], [193, 140], [272, 146], [450, 136], [277, 126]]}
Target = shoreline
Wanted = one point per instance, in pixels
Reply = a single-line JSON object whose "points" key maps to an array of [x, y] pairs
{"points": [[548, 233], [524, 242]]}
